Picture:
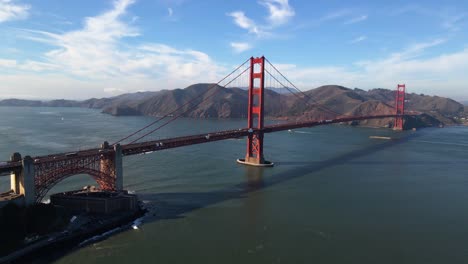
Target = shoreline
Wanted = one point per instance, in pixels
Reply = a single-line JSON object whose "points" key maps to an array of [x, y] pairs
{"points": [[53, 246], [267, 117]]}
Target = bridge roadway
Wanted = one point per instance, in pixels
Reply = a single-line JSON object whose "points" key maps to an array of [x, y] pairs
{"points": [[157, 145]]}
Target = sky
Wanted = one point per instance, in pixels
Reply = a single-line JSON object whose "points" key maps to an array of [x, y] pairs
{"points": [[82, 49]]}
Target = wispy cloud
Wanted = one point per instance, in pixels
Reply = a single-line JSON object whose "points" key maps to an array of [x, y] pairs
{"points": [[448, 18], [410, 53], [170, 12], [415, 50], [9, 10], [347, 16], [355, 20], [358, 39], [240, 47], [7, 63], [279, 11], [336, 14], [452, 23], [96, 56], [439, 74], [328, 17], [241, 20]]}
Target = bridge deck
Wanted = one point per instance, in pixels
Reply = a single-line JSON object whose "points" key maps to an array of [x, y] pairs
{"points": [[157, 145]]}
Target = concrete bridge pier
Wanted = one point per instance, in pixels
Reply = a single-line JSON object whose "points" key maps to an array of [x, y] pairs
{"points": [[22, 181]]}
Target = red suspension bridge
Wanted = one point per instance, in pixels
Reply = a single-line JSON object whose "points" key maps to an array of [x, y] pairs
{"points": [[33, 177]]}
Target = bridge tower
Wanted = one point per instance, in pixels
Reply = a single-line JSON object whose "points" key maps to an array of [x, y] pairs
{"points": [[399, 107], [255, 115], [111, 165], [22, 180]]}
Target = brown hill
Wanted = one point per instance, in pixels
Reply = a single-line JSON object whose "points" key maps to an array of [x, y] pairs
{"points": [[325, 102], [217, 102]]}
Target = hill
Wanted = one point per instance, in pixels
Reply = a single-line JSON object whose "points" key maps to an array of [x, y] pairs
{"points": [[90, 103], [324, 102], [317, 104]]}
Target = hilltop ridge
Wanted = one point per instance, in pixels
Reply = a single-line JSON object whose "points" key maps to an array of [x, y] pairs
{"points": [[315, 104]]}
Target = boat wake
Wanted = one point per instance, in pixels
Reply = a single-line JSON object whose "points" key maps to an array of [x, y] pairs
{"points": [[300, 132]]}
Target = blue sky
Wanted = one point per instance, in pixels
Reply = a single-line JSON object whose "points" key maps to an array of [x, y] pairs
{"points": [[88, 48]]}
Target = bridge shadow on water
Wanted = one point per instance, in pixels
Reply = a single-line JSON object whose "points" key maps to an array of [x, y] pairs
{"points": [[175, 205]]}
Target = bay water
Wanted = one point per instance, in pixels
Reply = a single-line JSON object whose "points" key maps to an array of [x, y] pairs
{"points": [[334, 196]]}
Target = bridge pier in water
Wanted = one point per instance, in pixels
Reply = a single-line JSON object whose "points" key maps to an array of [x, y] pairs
{"points": [[255, 115], [22, 181]]}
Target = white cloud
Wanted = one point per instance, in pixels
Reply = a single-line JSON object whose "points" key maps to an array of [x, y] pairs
{"points": [[95, 57], [240, 47], [356, 20], [415, 50], [113, 90], [443, 75], [11, 11], [95, 51], [7, 63], [28, 65], [279, 11], [94, 48], [310, 77], [170, 12], [358, 39], [244, 22]]}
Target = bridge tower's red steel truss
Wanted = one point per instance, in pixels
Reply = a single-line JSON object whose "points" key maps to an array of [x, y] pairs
{"points": [[399, 107], [255, 114]]}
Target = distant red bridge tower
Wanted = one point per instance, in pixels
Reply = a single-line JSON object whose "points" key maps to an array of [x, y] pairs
{"points": [[399, 107]]}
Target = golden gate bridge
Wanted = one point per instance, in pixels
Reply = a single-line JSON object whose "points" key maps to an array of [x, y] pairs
{"points": [[33, 177]]}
